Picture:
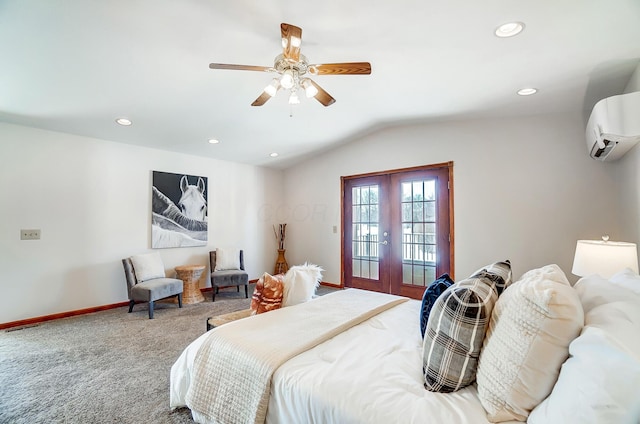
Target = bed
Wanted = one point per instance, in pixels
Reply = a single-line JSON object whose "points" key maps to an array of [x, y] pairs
{"points": [[372, 371]]}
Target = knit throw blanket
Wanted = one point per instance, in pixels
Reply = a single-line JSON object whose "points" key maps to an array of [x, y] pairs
{"points": [[232, 370]]}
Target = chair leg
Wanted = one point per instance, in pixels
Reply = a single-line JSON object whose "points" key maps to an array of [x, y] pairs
{"points": [[214, 292], [180, 300], [131, 303], [151, 310], [246, 291], [238, 287]]}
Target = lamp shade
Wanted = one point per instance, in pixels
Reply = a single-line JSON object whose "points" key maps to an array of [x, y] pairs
{"points": [[604, 258]]}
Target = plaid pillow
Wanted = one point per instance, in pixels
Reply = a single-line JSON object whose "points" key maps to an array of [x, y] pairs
{"points": [[429, 297], [455, 332], [499, 273]]}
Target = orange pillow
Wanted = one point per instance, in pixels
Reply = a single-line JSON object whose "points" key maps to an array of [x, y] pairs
{"points": [[268, 294]]}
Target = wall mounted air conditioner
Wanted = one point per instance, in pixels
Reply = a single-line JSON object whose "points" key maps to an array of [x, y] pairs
{"points": [[614, 126]]}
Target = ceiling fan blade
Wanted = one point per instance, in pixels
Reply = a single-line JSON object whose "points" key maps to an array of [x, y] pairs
{"points": [[240, 67], [291, 40], [322, 96], [262, 99], [347, 68]]}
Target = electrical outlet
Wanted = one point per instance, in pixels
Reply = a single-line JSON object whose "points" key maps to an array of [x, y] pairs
{"points": [[30, 234]]}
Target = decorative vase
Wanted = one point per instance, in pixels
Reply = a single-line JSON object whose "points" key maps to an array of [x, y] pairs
{"points": [[281, 263]]}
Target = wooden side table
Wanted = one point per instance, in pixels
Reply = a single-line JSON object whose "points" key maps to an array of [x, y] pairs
{"points": [[190, 276]]}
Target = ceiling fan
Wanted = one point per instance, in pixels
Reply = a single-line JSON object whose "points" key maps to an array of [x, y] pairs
{"points": [[292, 67]]}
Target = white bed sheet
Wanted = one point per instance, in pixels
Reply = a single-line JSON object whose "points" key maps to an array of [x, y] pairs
{"points": [[371, 373]]}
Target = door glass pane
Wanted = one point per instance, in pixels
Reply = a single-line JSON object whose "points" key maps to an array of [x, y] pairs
{"points": [[374, 270], [406, 192], [418, 232], [365, 231], [356, 268]]}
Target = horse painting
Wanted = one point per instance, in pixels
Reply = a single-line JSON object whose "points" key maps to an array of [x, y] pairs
{"points": [[192, 203], [179, 210]]}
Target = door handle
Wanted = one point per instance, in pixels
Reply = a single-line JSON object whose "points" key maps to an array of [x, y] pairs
{"points": [[384, 242]]}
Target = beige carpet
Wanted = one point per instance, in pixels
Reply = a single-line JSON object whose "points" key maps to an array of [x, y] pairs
{"points": [[105, 367]]}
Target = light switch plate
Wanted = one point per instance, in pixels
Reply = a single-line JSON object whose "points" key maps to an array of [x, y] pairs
{"points": [[33, 234]]}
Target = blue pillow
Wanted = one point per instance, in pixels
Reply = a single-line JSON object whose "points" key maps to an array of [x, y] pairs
{"points": [[429, 297]]}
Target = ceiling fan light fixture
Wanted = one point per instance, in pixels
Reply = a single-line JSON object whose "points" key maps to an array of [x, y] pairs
{"points": [[287, 80], [294, 99], [272, 88], [309, 89]]}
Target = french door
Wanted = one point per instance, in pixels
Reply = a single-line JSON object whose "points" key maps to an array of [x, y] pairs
{"points": [[397, 229]]}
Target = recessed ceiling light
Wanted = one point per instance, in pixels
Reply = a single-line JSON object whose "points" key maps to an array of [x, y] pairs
{"points": [[509, 29], [274, 155], [124, 122], [214, 141], [527, 91]]}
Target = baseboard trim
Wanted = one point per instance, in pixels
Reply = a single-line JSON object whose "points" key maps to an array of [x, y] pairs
{"points": [[44, 318], [334, 285]]}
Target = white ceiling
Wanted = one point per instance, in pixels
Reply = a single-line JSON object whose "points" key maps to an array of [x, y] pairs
{"points": [[76, 65]]}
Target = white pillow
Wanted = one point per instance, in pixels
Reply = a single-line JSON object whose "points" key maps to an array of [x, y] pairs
{"points": [[531, 326], [147, 266], [595, 290], [600, 382], [300, 283], [628, 279], [227, 259]]}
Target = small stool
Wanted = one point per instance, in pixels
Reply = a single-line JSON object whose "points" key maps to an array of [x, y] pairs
{"points": [[190, 275]]}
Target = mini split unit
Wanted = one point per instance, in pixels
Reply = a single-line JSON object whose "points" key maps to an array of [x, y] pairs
{"points": [[614, 127]]}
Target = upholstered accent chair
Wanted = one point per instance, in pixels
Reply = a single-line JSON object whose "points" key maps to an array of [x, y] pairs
{"points": [[227, 270], [145, 286]]}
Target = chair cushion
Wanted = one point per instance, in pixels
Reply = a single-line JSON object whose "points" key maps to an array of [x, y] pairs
{"points": [[147, 266], [268, 293], [227, 259], [155, 289], [229, 278]]}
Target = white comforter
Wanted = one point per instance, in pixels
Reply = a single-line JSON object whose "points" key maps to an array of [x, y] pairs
{"points": [[371, 373]]}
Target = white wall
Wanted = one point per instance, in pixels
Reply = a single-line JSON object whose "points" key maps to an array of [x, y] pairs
{"points": [[91, 199], [629, 179], [525, 189]]}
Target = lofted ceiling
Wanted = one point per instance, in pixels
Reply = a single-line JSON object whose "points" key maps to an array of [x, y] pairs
{"points": [[76, 65]]}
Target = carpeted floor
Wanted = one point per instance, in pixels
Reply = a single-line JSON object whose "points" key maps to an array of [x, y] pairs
{"points": [[105, 367]]}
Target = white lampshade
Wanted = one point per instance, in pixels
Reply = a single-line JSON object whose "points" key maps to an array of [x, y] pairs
{"points": [[604, 258]]}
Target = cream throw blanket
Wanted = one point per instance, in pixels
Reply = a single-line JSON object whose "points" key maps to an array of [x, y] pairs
{"points": [[233, 368]]}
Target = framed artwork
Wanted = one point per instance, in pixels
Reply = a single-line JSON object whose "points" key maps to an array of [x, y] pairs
{"points": [[179, 210]]}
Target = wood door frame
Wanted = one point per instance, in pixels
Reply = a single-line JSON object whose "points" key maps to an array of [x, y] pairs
{"points": [[448, 165]]}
